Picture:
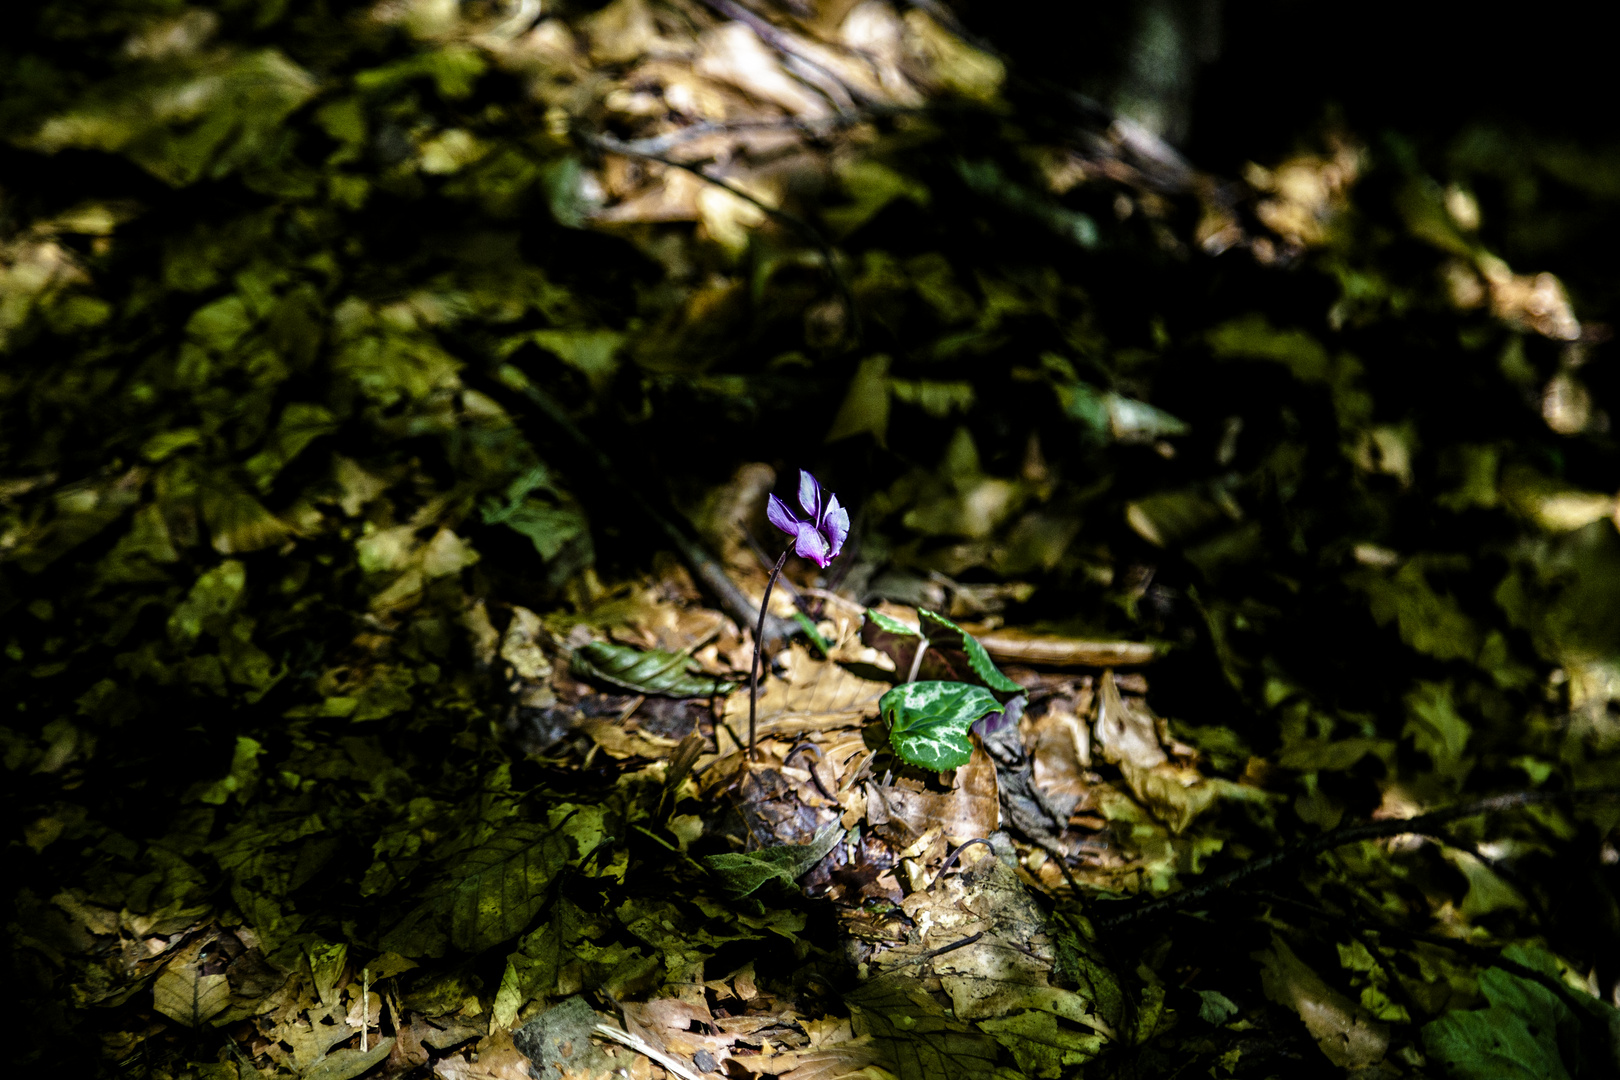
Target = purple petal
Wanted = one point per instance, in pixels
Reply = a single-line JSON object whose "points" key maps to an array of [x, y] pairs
{"points": [[813, 546], [809, 494], [835, 527], [778, 514], [1014, 710]]}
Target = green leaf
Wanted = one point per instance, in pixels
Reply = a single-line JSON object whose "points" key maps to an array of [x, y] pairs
{"points": [[213, 597], [917, 1038], [891, 626], [978, 659], [929, 721], [1109, 416], [1040, 1044], [548, 526], [866, 403], [301, 423], [593, 353], [1437, 729], [648, 671], [454, 69], [810, 631], [871, 186], [490, 895], [1527, 1033], [1215, 1007], [744, 872], [244, 773]]}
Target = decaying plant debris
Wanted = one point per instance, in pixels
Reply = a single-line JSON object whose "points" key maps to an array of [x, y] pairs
{"points": [[391, 398]]}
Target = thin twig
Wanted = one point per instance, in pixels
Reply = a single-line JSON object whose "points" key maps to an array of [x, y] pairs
{"points": [[814, 776], [662, 144], [642, 1047], [950, 860], [1426, 825], [941, 951]]}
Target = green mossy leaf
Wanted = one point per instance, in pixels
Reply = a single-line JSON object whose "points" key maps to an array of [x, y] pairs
{"points": [[747, 871], [489, 896], [645, 671]]}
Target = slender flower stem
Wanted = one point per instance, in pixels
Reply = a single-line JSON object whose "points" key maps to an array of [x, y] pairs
{"points": [[759, 642], [916, 660]]}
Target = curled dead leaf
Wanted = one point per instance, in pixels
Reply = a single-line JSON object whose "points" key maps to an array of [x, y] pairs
{"points": [[1346, 1033]]}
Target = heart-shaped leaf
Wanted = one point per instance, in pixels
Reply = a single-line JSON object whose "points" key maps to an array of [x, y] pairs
{"points": [[891, 625], [929, 721], [185, 994], [978, 659]]}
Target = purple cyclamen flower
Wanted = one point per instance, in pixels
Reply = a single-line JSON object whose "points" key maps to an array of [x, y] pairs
{"points": [[1010, 713], [822, 537]]}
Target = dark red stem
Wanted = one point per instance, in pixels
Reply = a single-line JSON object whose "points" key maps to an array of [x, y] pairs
{"points": [[759, 644]]}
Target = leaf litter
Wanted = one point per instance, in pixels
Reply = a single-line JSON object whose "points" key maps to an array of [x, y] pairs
{"points": [[476, 816]]}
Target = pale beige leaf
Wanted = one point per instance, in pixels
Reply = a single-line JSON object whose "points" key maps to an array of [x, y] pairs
{"points": [[184, 994], [1125, 731]]}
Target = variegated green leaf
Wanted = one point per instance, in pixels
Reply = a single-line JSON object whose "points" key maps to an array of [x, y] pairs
{"points": [[978, 659], [889, 625], [929, 721]]}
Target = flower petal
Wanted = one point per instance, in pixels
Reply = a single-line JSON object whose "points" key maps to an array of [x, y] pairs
{"points": [[778, 514], [809, 494], [834, 525], [1010, 714], [813, 546]]}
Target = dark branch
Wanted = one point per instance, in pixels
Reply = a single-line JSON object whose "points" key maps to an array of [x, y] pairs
{"points": [[1430, 824]]}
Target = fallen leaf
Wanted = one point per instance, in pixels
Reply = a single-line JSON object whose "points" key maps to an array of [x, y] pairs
{"points": [[1347, 1035]]}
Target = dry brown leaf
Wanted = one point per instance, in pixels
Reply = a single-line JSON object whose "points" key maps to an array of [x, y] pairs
{"points": [[493, 1058], [621, 32], [1059, 743], [815, 695], [1533, 302], [521, 646], [1178, 794], [184, 994], [1050, 650], [665, 1024], [1346, 1033], [1125, 730], [835, 1052], [972, 810]]}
